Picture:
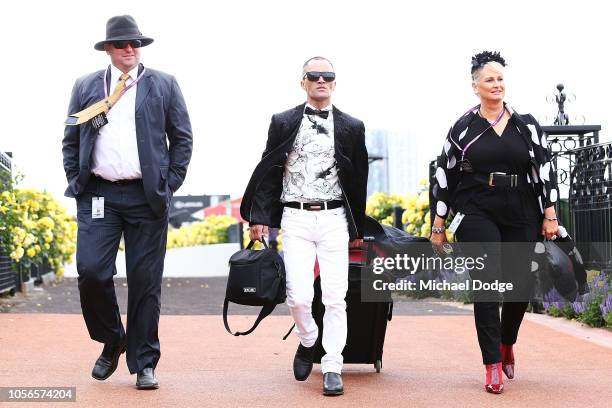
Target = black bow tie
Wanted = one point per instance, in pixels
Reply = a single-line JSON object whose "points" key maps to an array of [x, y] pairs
{"points": [[322, 113]]}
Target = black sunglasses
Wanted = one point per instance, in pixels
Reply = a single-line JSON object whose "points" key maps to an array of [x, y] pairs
{"points": [[123, 44], [314, 76]]}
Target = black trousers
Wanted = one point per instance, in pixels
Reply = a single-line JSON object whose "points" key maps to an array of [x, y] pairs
{"points": [[503, 224], [127, 213]]}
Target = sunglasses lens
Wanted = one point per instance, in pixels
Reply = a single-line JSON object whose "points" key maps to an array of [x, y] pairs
{"points": [[328, 76], [123, 44], [314, 76]]}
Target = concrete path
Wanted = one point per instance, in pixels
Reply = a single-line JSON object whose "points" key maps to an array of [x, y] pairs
{"points": [[184, 296], [429, 361]]}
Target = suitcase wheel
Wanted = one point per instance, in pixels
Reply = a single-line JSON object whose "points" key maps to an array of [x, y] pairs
{"points": [[378, 365]]}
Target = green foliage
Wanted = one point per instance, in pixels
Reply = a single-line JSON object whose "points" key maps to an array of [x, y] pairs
{"points": [[592, 313]]}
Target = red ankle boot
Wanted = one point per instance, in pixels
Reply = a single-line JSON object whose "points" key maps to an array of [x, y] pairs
{"points": [[494, 379], [507, 360]]}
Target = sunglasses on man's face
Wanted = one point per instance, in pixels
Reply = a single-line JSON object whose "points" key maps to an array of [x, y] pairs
{"points": [[123, 44], [314, 76]]}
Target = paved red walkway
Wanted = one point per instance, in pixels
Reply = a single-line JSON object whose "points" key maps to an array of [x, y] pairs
{"points": [[429, 361]]}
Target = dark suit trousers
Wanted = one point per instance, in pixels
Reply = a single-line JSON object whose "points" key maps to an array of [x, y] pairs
{"points": [[126, 212], [504, 225]]}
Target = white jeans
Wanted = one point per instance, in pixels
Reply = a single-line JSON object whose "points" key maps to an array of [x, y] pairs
{"points": [[324, 235]]}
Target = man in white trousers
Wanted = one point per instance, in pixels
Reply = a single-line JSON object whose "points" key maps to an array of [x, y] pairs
{"points": [[312, 182]]}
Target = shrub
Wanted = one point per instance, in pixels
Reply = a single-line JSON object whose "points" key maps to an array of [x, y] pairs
{"points": [[213, 230], [34, 228]]}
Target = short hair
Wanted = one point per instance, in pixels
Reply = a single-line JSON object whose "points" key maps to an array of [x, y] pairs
{"points": [[317, 58], [483, 58]]}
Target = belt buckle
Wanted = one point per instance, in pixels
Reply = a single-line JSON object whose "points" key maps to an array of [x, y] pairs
{"points": [[315, 207], [492, 177]]}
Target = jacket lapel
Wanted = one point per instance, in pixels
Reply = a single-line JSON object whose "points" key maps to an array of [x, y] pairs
{"points": [[142, 89], [339, 124], [340, 135], [293, 125], [526, 135]]}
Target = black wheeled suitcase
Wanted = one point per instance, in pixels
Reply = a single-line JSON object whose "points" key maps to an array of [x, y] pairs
{"points": [[366, 321]]}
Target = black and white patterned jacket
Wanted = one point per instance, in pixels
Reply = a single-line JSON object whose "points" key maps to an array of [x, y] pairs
{"points": [[543, 178]]}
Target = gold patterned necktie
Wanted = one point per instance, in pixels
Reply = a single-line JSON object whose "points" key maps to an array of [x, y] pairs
{"points": [[102, 106]]}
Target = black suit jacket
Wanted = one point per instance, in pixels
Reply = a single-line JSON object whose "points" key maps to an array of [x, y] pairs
{"points": [[163, 131], [261, 202]]}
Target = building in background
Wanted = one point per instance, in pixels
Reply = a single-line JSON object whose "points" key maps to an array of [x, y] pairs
{"points": [[394, 162], [378, 175], [187, 209]]}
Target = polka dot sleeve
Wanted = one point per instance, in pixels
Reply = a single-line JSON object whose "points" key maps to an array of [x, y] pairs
{"points": [[445, 180], [546, 171]]}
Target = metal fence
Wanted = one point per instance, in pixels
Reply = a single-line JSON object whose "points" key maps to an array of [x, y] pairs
{"points": [[5, 162], [7, 275], [590, 202]]}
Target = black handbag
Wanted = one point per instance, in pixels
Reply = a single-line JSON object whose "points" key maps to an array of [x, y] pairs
{"points": [[256, 278], [557, 271]]}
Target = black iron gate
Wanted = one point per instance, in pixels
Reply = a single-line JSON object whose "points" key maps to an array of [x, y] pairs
{"points": [[7, 275]]}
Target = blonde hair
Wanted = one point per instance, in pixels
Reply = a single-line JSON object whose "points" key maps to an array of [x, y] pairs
{"points": [[494, 64]]}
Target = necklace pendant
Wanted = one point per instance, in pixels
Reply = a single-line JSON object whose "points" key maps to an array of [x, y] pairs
{"points": [[466, 166]]}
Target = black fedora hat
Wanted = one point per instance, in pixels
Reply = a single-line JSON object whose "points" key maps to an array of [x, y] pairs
{"points": [[120, 28]]}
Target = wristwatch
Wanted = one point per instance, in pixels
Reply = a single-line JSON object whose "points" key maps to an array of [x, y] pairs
{"points": [[437, 230]]}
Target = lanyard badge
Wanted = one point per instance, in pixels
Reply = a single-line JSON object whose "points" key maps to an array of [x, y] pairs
{"points": [[464, 164]]}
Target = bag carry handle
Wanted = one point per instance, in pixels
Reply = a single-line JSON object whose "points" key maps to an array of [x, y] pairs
{"points": [[263, 241], [265, 311], [289, 332]]}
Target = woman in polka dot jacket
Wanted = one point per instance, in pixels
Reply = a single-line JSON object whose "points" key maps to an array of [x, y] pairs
{"points": [[495, 170]]}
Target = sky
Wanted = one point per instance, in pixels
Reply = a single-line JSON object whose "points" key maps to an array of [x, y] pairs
{"points": [[401, 66]]}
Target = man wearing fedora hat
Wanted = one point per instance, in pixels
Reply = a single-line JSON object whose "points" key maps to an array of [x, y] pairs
{"points": [[126, 147]]}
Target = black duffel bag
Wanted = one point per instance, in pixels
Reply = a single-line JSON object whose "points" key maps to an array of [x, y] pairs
{"points": [[256, 278]]}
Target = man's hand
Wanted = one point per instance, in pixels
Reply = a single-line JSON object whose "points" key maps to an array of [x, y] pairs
{"points": [[356, 243], [257, 232]]}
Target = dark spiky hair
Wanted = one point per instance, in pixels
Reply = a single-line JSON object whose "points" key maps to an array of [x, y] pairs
{"points": [[482, 58]]}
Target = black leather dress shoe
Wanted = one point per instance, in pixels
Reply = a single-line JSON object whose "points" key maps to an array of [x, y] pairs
{"points": [[109, 359], [145, 379], [332, 384], [302, 362]]}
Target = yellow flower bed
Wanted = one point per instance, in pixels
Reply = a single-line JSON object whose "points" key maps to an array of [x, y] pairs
{"points": [[416, 216], [34, 228], [213, 230]]}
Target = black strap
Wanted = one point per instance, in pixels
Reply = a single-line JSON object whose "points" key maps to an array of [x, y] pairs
{"points": [[263, 241], [265, 311], [289, 332], [390, 315]]}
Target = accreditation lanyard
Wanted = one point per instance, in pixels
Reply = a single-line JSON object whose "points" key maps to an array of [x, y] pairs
{"points": [[491, 124], [127, 87]]}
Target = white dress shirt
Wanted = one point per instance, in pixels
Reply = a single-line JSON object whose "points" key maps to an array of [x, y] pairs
{"points": [[311, 174], [115, 153]]}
